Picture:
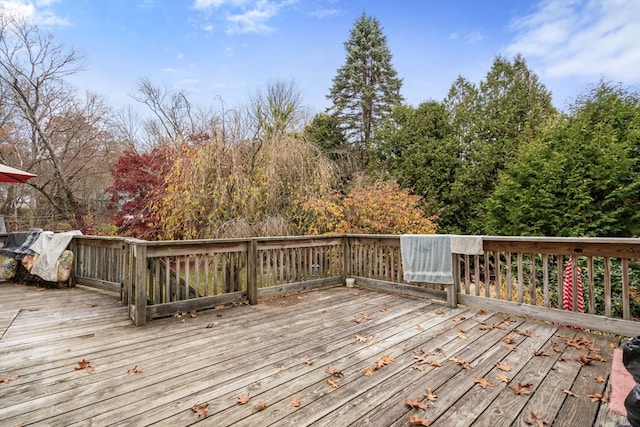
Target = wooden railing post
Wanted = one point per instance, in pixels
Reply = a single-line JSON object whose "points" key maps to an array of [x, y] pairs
{"points": [[140, 281], [346, 264], [252, 266]]}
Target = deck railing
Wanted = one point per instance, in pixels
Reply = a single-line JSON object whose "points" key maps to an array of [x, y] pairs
{"points": [[520, 275]]}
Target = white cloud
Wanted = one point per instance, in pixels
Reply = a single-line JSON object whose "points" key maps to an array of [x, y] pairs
{"points": [[243, 16], [585, 38], [36, 12]]}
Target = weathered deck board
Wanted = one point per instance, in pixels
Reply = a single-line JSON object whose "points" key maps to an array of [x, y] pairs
{"points": [[281, 349]]}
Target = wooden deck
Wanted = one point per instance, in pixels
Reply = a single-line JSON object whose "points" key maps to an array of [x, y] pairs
{"points": [[385, 349]]}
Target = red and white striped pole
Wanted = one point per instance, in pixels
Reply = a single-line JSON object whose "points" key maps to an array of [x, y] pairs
{"points": [[567, 288]]}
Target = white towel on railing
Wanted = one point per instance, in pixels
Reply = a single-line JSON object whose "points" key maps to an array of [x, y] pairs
{"points": [[50, 246], [466, 245], [426, 258]]}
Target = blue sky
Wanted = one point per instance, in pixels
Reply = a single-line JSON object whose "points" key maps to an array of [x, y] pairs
{"points": [[229, 49]]}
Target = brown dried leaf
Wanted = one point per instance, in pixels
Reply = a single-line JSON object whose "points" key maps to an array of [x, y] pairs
{"points": [[461, 362], [503, 366], [295, 402], [134, 370], [193, 315], [418, 367], [511, 347], [462, 336], [201, 410], [414, 420], [308, 362], [541, 353], [430, 395], [419, 328], [439, 311], [368, 372], [503, 378], [261, 406], [415, 403], [82, 364], [602, 397], [613, 346], [556, 347], [569, 392], [483, 382], [360, 338], [600, 379], [435, 364], [384, 310], [8, 378], [332, 383], [458, 318], [243, 399], [384, 360], [522, 388], [508, 339], [210, 325], [334, 372], [481, 312], [535, 420]]}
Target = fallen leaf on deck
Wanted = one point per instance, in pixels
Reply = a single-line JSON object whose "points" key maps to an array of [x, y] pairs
{"points": [[418, 367], [462, 336], [308, 362], [525, 333], [282, 368], [481, 312], [184, 320], [600, 379], [508, 339], [602, 397], [541, 353], [463, 363], [332, 383], [360, 338], [430, 395], [414, 420], [511, 347], [420, 328], [368, 372], [483, 382], [564, 358], [82, 364], [486, 327], [261, 406], [93, 305], [8, 378], [210, 325], [503, 366], [581, 343], [383, 361], [201, 410], [569, 392], [535, 420], [522, 388], [555, 347], [219, 315], [134, 370], [384, 310], [243, 399], [295, 402], [334, 372], [219, 306], [504, 379], [458, 318], [415, 403], [193, 315], [435, 364], [439, 311]]}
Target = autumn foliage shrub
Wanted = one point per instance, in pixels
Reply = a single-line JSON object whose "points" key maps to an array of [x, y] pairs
{"points": [[373, 208]]}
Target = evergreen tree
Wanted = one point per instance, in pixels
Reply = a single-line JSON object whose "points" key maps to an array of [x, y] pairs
{"points": [[508, 109], [581, 177], [366, 88]]}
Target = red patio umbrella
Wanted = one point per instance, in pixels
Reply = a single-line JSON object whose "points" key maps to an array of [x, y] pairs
{"points": [[9, 174]]}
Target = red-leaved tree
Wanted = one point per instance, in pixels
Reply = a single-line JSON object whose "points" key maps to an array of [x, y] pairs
{"points": [[138, 181]]}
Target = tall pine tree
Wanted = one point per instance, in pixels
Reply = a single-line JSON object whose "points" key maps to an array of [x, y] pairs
{"points": [[366, 88]]}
